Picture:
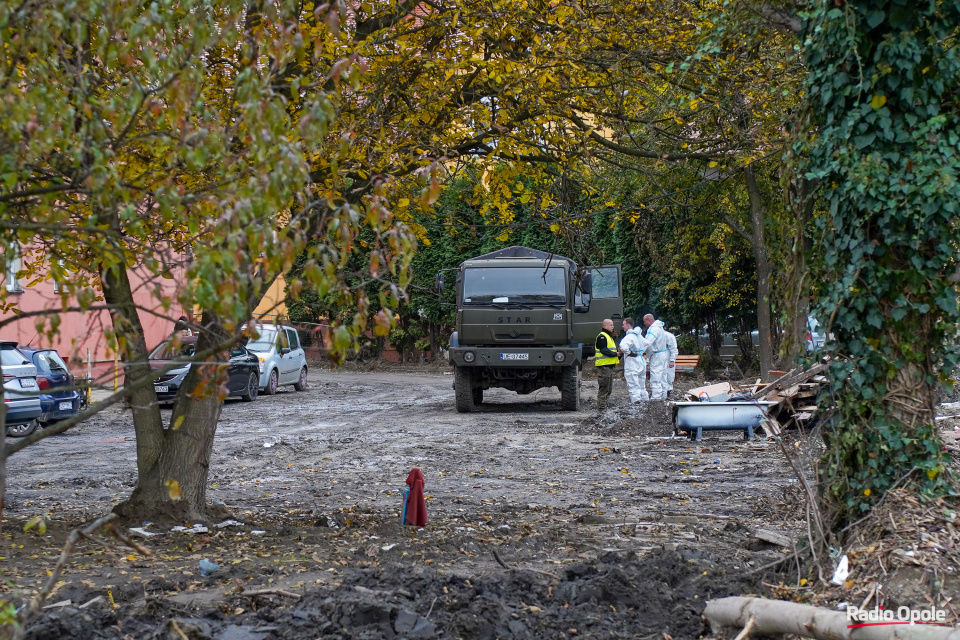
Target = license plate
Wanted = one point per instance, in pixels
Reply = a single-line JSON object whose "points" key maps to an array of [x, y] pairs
{"points": [[66, 406], [28, 383], [162, 389], [514, 356]]}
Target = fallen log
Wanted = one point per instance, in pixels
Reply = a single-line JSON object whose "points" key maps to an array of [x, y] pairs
{"points": [[776, 617]]}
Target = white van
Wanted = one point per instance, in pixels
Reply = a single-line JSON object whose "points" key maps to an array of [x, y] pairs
{"points": [[282, 359]]}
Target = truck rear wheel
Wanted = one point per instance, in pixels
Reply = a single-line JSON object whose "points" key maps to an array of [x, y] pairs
{"points": [[463, 388], [570, 389]]}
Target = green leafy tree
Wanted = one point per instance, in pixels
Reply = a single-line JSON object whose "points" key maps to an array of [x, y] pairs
{"points": [[135, 137], [882, 99]]}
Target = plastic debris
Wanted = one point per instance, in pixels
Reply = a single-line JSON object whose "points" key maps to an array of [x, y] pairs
{"points": [[143, 532], [197, 528], [229, 523], [258, 532], [207, 567], [843, 570]]}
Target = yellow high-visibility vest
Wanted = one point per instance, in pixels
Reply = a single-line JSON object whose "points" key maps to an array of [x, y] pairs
{"points": [[602, 360]]}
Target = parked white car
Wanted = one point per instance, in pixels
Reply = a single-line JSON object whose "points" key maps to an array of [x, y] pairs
{"points": [[282, 359], [21, 394]]}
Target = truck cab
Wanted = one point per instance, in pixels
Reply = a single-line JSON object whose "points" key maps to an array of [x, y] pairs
{"points": [[527, 319]]}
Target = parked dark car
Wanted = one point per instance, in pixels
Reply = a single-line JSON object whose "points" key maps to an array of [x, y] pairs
{"points": [[20, 391], [243, 370], [59, 399]]}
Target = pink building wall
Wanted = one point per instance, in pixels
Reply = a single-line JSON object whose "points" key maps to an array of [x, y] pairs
{"points": [[81, 335]]}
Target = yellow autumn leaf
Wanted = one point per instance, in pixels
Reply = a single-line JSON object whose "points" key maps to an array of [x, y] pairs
{"points": [[177, 423], [866, 492], [713, 163], [878, 101], [554, 228], [932, 474], [173, 489], [503, 237], [404, 203]]}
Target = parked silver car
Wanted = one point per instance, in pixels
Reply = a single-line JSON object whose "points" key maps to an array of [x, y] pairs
{"points": [[21, 395], [282, 359]]}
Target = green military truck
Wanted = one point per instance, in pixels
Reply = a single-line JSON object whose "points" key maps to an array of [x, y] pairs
{"points": [[526, 320]]}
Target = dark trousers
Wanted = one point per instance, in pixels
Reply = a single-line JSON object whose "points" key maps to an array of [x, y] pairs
{"points": [[605, 378]]}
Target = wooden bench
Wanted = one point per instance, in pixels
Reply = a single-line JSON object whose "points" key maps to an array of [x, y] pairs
{"points": [[686, 364]]}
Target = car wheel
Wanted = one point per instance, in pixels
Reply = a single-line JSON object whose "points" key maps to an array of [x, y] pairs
{"points": [[272, 383], [301, 383], [22, 430], [252, 390]]}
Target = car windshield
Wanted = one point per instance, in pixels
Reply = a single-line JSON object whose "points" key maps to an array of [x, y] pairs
{"points": [[167, 351], [514, 285], [10, 356], [264, 342], [49, 362]]}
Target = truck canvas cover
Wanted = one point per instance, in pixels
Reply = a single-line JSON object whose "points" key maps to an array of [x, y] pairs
{"points": [[525, 252]]}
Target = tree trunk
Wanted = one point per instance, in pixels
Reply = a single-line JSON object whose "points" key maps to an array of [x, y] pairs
{"points": [[174, 486], [764, 273], [434, 340], [798, 304], [164, 456], [132, 347], [713, 333]]}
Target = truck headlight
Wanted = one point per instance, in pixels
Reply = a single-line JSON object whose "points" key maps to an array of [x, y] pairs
{"points": [[559, 356], [469, 356]]}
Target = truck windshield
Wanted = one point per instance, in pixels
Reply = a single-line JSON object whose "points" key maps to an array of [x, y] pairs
{"points": [[514, 285]]}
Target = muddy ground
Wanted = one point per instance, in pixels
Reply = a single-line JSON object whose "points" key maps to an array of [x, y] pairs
{"points": [[543, 523]]}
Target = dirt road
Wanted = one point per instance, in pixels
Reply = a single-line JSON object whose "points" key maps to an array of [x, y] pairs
{"points": [[565, 499]]}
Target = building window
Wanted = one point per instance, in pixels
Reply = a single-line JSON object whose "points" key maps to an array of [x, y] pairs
{"points": [[56, 272], [13, 268]]}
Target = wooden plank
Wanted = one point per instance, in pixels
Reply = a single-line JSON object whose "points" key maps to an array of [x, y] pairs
{"points": [[773, 538], [711, 390], [789, 381]]}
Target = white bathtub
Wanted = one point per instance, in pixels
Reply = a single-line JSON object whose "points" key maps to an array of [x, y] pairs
{"points": [[694, 417]]}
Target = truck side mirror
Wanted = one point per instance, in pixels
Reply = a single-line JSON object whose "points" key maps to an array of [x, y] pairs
{"points": [[586, 284], [439, 282]]}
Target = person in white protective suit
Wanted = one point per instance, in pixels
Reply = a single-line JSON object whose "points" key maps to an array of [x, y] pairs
{"points": [[672, 353], [657, 338], [632, 345]]}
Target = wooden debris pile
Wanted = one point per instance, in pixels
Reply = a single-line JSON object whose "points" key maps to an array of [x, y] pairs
{"points": [[795, 394]]}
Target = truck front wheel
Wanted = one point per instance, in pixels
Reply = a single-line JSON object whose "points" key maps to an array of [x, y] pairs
{"points": [[463, 387], [570, 389]]}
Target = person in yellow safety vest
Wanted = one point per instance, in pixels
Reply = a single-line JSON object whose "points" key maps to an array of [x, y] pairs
{"points": [[606, 361]]}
